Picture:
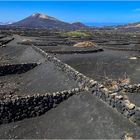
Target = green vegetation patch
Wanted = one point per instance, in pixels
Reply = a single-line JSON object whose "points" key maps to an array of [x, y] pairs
{"points": [[75, 34]]}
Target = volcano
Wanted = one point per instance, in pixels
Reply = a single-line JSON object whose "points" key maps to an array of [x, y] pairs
{"points": [[38, 20]]}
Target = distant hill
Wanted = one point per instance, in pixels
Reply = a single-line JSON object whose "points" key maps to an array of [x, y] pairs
{"points": [[5, 23], [79, 24], [129, 26], [38, 20]]}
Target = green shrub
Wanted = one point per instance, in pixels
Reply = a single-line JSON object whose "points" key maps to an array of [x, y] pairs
{"points": [[75, 34]]}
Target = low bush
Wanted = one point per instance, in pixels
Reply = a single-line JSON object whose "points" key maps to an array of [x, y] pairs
{"points": [[75, 34]]}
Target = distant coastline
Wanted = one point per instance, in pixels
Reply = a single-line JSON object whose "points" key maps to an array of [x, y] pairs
{"points": [[103, 24]]}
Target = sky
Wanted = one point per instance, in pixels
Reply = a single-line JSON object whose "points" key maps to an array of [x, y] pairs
{"points": [[88, 12]]}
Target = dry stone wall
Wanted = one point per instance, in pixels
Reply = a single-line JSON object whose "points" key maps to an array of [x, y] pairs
{"points": [[74, 51], [17, 108], [77, 76], [131, 88], [116, 101], [3, 42], [16, 68], [121, 49]]}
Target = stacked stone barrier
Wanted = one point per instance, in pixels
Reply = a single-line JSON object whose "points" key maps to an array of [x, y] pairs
{"points": [[18, 108], [74, 51], [3, 42], [110, 97], [122, 86], [135, 88], [77, 76], [117, 101], [2, 36], [121, 49], [16, 68]]}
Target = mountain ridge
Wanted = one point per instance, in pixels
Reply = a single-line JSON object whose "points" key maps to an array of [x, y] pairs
{"points": [[38, 20]]}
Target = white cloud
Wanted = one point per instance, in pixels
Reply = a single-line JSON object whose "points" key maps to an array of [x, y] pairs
{"points": [[137, 10]]}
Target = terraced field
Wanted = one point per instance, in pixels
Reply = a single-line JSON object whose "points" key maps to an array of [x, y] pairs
{"points": [[51, 89]]}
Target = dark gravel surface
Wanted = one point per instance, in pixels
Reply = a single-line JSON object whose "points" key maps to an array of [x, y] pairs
{"points": [[44, 78], [15, 53], [9, 85], [69, 49], [134, 98], [111, 64], [81, 116], [108, 64]]}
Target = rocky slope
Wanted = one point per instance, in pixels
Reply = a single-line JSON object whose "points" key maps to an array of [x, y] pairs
{"points": [[38, 20]]}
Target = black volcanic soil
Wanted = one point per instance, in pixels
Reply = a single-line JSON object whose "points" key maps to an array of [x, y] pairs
{"points": [[111, 64], [46, 78], [56, 44], [41, 79], [134, 98], [81, 116], [14, 53]]}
